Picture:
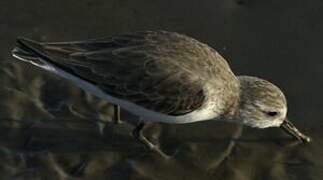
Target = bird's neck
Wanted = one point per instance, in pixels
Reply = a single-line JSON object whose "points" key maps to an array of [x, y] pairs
{"points": [[232, 112]]}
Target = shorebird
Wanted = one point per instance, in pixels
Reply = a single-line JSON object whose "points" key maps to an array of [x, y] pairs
{"points": [[163, 77]]}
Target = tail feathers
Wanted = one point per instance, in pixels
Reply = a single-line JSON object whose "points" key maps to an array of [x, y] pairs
{"points": [[26, 50], [22, 52], [36, 53]]}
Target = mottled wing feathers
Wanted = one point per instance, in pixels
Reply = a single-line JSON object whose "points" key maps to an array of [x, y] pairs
{"points": [[142, 68]]}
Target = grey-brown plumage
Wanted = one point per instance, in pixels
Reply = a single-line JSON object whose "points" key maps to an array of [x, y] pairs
{"points": [[159, 70], [168, 76]]}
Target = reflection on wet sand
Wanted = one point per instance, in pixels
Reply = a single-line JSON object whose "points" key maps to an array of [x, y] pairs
{"points": [[77, 138]]}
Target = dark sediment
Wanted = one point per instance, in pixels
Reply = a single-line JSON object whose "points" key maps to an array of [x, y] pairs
{"points": [[51, 129]]}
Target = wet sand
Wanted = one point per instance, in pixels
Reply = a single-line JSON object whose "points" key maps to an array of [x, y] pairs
{"points": [[50, 129]]}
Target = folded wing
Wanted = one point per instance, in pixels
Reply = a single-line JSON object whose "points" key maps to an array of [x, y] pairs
{"points": [[142, 68]]}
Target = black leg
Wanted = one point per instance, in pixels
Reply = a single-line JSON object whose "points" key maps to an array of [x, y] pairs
{"points": [[29, 135], [116, 109], [137, 133], [79, 170]]}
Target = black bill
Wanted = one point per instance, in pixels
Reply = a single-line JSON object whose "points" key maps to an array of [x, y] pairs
{"points": [[288, 127]]}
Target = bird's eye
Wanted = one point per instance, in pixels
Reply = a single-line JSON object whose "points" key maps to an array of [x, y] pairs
{"points": [[272, 113]]}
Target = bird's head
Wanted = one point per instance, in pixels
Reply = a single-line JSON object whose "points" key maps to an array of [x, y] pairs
{"points": [[262, 105]]}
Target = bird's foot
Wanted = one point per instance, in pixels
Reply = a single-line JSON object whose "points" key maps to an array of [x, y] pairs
{"points": [[137, 133]]}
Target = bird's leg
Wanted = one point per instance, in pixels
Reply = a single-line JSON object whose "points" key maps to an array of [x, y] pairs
{"points": [[138, 134], [29, 136], [116, 118], [79, 170]]}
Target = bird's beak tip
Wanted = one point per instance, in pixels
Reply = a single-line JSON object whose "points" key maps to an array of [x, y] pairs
{"points": [[288, 127]]}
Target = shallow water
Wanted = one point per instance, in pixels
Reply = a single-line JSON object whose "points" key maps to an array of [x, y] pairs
{"points": [[50, 129]]}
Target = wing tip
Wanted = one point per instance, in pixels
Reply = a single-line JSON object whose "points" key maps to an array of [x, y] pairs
{"points": [[25, 46], [22, 41], [27, 50]]}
